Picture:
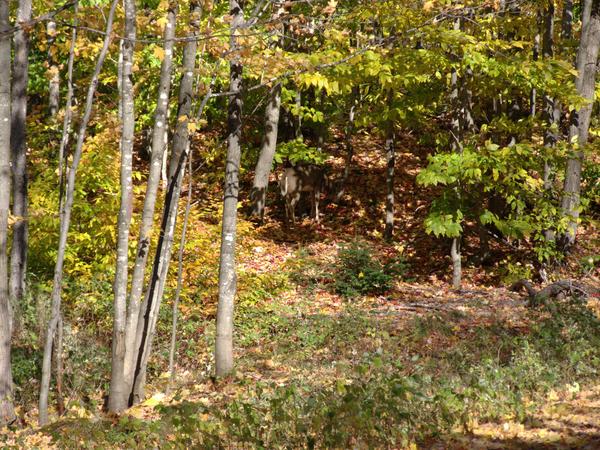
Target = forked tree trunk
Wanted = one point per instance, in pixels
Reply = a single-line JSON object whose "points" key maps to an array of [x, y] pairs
{"points": [[227, 269], [154, 294], [587, 58], [118, 394], [20, 77], [7, 412], [267, 153], [132, 340], [65, 219]]}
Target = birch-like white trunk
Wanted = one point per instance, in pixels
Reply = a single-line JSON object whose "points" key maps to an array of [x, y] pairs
{"points": [[587, 59], [118, 393], [227, 269], [154, 294], [65, 220], [132, 338]]}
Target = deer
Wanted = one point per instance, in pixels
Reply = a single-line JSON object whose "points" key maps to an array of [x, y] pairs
{"points": [[302, 178]]}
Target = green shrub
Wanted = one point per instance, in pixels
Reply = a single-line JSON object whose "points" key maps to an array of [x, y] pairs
{"points": [[358, 273]]}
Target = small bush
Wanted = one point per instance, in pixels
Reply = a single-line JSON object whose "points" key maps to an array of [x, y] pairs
{"points": [[358, 273]]}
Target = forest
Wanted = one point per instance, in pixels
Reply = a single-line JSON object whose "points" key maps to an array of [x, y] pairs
{"points": [[299, 224]]}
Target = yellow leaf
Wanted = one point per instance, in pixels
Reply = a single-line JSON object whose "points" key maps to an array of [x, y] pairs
{"points": [[428, 6], [154, 400], [161, 22], [159, 53]]}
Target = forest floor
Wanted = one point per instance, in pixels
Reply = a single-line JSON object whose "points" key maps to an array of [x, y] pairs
{"points": [[301, 332]]}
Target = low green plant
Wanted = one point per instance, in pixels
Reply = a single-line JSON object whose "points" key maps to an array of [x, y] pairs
{"points": [[358, 273]]}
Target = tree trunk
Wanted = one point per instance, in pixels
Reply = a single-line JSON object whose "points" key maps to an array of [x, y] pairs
{"points": [[298, 119], [348, 132], [65, 219], [147, 220], [66, 133], [53, 71], [267, 152], [188, 207], [18, 255], [179, 154], [58, 367], [587, 58], [227, 270], [462, 122], [7, 412], [552, 110], [118, 393], [456, 263], [566, 31], [390, 153]]}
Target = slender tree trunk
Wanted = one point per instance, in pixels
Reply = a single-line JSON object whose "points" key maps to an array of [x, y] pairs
{"points": [[58, 369], [227, 269], [7, 412], [552, 110], [462, 122], [456, 263], [18, 146], [65, 219], [132, 340], [390, 153], [66, 133], [267, 152], [587, 58], [535, 57], [567, 20], [348, 132], [298, 121], [321, 126], [179, 154], [182, 242], [119, 394], [53, 70]]}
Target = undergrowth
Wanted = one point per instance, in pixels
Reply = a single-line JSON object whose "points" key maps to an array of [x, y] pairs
{"points": [[394, 392]]}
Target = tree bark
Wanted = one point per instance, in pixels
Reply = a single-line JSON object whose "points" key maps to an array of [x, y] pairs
{"points": [[462, 123], [118, 393], [566, 31], [179, 155], [53, 70], [390, 154], [65, 219], [182, 242], [227, 269], [66, 133], [267, 152], [132, 340], [348, 132], [7, 412], [587, 58], [552, 110], [18, 146]]}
